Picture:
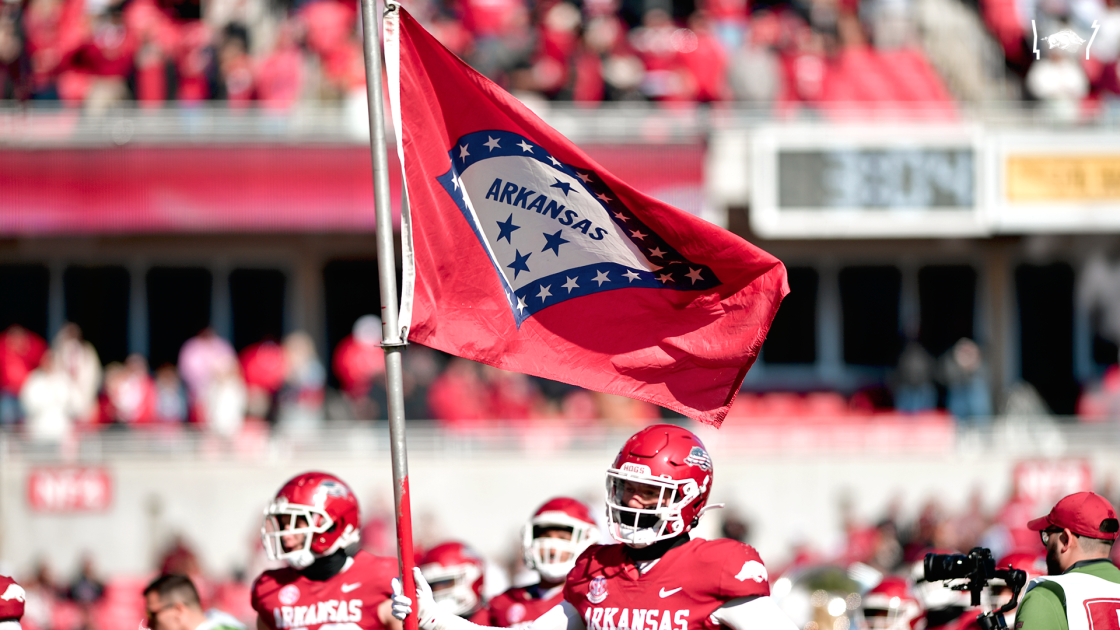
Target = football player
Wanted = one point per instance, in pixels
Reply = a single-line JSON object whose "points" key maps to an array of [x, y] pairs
{"points": [[12, 599], [892, 606], [456, 575], [329, 584], [558, 533], [658, 578]]}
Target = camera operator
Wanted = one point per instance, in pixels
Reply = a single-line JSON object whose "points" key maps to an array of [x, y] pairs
{"points": [[1083, 588]]}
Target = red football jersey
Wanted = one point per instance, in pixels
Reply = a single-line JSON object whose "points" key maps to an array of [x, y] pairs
{"points": [[680, 592], [520, 606], [284, 598], [11, 599]]}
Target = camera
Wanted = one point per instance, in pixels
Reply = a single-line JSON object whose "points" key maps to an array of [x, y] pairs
{"points": [[978, 568]]}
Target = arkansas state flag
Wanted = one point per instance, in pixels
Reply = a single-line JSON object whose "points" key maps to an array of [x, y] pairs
{"points": [[531, 257]]}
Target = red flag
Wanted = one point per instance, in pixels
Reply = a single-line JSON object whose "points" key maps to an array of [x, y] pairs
{"points": [[531, 257]]}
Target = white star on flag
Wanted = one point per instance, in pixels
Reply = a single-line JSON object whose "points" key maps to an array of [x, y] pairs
{"points": [[455, 181], [463, 153], [545, 293], [603, 197], [571, 284], [525, 146], [492, 143], [601, 277], [521, 304], [630, 274], [555, 161], [584, 176], [621, 217], [638, 234], [656, 251], [665, 277], [694, 274]]}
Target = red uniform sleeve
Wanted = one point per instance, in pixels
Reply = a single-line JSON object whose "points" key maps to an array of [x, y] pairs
{"points": [[258, 605], [742, 573], [12, 599]]}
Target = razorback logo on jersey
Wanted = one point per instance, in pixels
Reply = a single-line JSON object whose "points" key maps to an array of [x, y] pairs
{"points": [[330, 611], [753, 570], [635, 619], [14, 591]]}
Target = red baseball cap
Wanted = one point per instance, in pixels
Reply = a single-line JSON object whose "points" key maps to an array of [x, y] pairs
{"points": [[1083, 513]]}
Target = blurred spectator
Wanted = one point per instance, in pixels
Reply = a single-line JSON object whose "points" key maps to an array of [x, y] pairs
{"points": [[171, 399], [301, 399], [77, 359], [98, 70], [279, 77], [264, 367], [87, 588], [41, 595], [173, 603], [968, 397], [455, 396], [224, 402], [45, 398], [20, 353], [1059, 83], [201, 358], [914, 389], [13, 63], [235, 67], [358, 361], [755, 73], [130, 392]]}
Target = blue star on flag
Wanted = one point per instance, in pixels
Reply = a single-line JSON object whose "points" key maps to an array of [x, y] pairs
{"points": [[553, 241], [565, 186], [518, 265], [506, 228]]}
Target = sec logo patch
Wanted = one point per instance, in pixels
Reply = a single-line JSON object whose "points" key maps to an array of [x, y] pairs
{"points": [[289, 595]]}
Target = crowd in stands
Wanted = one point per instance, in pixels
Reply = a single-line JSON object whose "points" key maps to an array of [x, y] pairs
{"points": [[782, 54], [54, 392]]}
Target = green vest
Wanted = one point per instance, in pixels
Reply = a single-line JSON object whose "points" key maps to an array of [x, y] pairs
{"points": [[1093, 589]]}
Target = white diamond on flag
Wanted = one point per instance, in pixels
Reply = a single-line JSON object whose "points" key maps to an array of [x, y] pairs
{"points": [[544, 224]]}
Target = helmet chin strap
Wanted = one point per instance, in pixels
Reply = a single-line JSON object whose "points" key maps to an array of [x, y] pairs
{"points": [[657, 549], [326, 567]]}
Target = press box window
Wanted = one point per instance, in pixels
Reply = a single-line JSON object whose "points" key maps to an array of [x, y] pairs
{"points": [[793, 335], [869, 304]]}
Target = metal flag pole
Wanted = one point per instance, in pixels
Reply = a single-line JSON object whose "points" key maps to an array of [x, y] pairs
{"points": [[392, 340]]}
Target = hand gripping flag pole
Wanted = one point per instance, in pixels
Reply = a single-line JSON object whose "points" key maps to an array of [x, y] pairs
{"points": [[393, 337]]}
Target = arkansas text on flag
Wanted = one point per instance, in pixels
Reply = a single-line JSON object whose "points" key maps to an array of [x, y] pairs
{"points": [[530, 257]]}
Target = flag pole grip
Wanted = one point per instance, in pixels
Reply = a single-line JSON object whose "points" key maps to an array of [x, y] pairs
{"points": [[393, 343]]}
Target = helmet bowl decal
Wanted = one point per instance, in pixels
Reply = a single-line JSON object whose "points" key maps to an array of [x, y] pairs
{"points": [[565, 235], [289, 595], [699, 457], [597, 591]]}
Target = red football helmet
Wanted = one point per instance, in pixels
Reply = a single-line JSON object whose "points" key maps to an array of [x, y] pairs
{"points": [[316, 505], [455, 574], [553, 557], [892, 606], [667, 471]]}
